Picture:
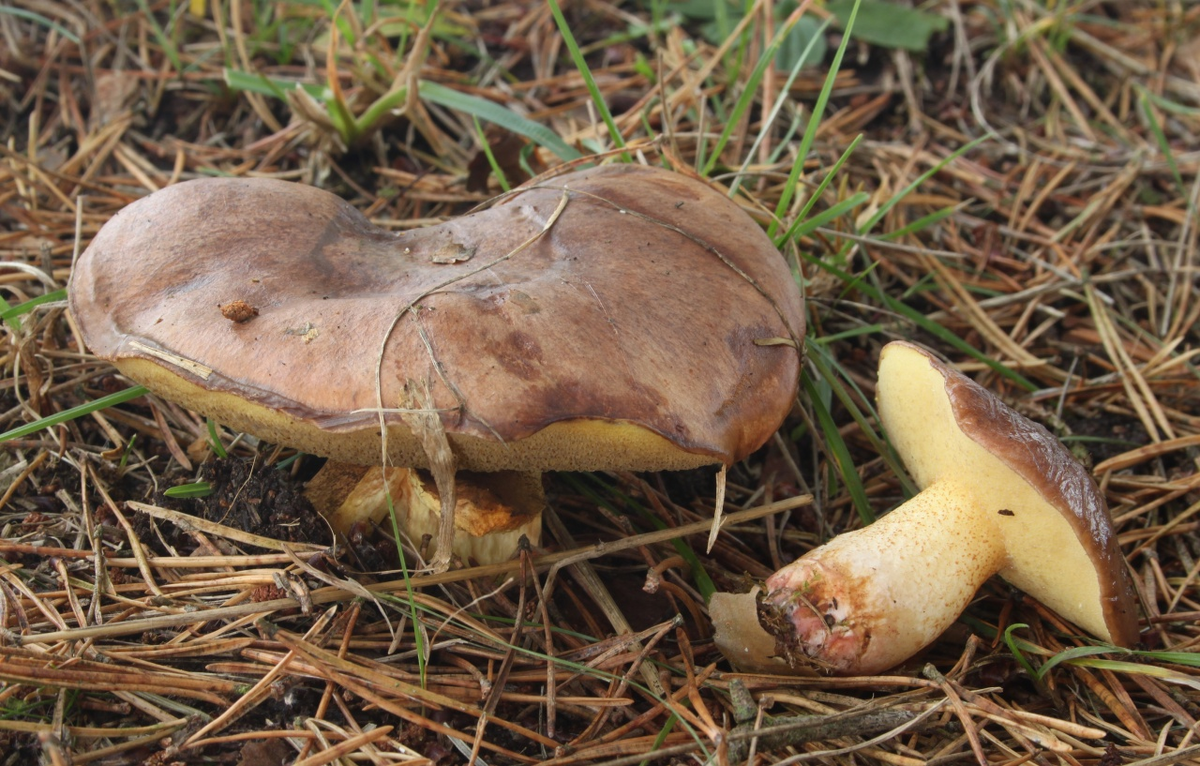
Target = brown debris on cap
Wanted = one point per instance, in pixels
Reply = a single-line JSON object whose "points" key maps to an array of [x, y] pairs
{"points": [[618, 331], [238, 311]]}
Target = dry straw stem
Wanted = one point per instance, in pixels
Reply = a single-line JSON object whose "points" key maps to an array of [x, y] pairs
{"points": [[1063, 246]]}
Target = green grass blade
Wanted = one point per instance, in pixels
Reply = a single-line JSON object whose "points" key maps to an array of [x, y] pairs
{"points": [[1164, 145], [581, 64], [1073, 653], [348, 127], [38, 18], [491, 157], [1165, 103], [801, 218], [810, 132], [195, 489], [125, 453], [1190, 659], [75, 412], [418, 634], [160, 34], [1015, 648], [214, 440], [748, 92], [924, 322], [499, 115], [1075, 656], [833, 374], [29, 305], [1117, 666], [787, 139], [343, 26], [886, 207], [662, 735], [923, 222], [803, 226], [10, 313], [253, 82], [839, 453], [433, 92]]}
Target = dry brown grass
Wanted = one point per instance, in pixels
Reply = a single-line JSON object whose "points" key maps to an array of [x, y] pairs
{"points": [[131, 634]]}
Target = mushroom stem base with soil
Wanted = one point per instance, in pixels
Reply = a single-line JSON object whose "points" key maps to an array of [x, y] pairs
{"points": [[855, 603]]}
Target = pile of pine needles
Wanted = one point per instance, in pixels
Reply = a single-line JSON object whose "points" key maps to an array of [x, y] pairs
{"points": [[1020, 193]]}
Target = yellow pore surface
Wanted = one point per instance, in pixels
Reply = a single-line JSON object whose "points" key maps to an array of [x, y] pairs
{"points": [[569, 445], [1043, 553]]}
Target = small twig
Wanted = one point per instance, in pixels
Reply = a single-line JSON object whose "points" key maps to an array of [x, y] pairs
{"points": [[789, 731], [187, 521], [911, 723]]}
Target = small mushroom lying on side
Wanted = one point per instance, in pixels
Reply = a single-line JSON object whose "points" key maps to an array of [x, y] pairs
{"points": [[621, 317], [999, 495]]}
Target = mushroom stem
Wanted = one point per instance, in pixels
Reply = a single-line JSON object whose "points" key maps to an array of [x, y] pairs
{"points": [[492, 510], [854, 605]]}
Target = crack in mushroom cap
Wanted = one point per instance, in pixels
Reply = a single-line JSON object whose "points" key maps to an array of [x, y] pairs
{"points": [[621, 337]]}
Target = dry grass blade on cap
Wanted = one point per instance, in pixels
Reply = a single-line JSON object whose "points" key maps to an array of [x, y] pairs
{"points": [[1013, 184]]}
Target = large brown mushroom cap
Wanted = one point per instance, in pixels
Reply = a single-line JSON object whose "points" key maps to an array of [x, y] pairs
{"points": [[624, 333]]}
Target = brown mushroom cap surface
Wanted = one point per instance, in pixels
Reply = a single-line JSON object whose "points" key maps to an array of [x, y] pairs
{"points": [[624, 333], [1059, 540]]}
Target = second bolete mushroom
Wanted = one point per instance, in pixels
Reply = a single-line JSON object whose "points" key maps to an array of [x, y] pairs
{"points": [[999, 495], [621, 317]]}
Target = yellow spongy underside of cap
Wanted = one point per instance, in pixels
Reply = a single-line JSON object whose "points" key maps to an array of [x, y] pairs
{"points": [[1045, 557], [569, 445]]}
